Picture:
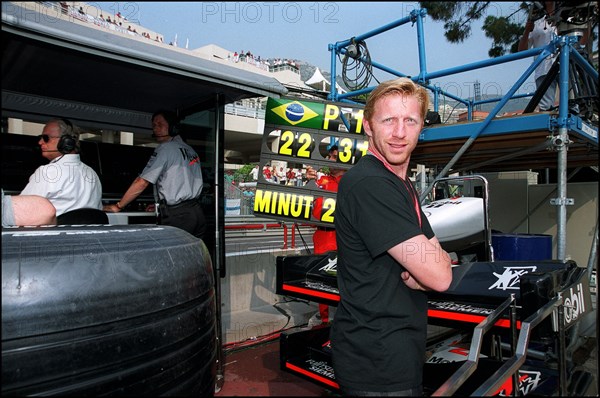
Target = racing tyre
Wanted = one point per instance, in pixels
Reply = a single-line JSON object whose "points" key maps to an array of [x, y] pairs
{"points": [[107, 310]]}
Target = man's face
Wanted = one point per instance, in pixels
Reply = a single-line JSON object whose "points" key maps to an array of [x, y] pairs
{"points": [[394, 129], [333, 155], [49, 149], [160, 128]]}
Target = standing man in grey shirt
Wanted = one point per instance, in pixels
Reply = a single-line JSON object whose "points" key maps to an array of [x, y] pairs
{"points": [[174, 169]]}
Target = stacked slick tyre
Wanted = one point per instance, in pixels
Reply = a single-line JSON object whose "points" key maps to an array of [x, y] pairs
{"points": [[107, 310]]}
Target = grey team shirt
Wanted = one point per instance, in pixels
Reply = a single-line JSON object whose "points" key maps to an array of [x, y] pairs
{"points": [[174, 168]]}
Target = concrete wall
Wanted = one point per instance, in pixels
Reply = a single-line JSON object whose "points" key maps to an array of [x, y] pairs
{"points": [[581, 217], [249, 305], [508, 200], [519, 205]]}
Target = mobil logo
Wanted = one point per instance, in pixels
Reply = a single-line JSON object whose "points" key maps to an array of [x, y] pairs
{"points": [[574, 303]]}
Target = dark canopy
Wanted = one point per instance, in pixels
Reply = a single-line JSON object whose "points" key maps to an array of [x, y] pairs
{"points": [[52, 66]]}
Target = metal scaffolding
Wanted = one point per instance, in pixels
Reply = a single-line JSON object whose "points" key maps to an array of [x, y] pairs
{"points": [[475, 145]]}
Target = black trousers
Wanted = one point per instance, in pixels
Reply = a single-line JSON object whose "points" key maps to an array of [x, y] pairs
{"points": [[188, 216]]}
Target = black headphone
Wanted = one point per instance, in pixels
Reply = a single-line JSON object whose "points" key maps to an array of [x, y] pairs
{"points": [[68, 139], [171, 119]]}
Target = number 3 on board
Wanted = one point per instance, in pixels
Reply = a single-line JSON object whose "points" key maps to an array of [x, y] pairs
{"points": [[346, 150]]}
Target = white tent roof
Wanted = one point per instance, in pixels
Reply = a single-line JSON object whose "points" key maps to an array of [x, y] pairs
{"points": [[318, 81], [316, 78]]}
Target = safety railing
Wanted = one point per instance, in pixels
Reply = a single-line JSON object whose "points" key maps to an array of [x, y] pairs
{"points": [[243, 226], [247, 111]]}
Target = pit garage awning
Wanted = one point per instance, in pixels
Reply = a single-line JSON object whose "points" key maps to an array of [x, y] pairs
{"points": [[53, 66]]}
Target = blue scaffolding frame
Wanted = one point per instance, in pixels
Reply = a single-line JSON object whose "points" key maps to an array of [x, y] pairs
{"points": [[558, 125]]}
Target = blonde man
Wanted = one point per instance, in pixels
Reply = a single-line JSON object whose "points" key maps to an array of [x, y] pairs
{"points": [[388, 254]]}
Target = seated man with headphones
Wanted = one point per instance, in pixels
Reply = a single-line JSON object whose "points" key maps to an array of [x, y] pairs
{"points": [[174, 169], [66, 181]]}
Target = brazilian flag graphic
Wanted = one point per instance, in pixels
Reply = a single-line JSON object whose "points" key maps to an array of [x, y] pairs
{"points": [[295, 113]]}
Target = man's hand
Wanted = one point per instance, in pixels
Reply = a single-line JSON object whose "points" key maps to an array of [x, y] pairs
{"points": [[111, 208], [411, 282], [311, 174]]}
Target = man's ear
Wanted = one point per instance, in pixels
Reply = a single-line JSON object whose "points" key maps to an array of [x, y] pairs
{"points": [[367, 128]]}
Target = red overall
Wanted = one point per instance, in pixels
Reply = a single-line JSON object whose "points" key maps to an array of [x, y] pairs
{"points": [[324, 238]]}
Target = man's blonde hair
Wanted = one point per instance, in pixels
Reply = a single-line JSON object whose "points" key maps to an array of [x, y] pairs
{"points": [[403, 86]]}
